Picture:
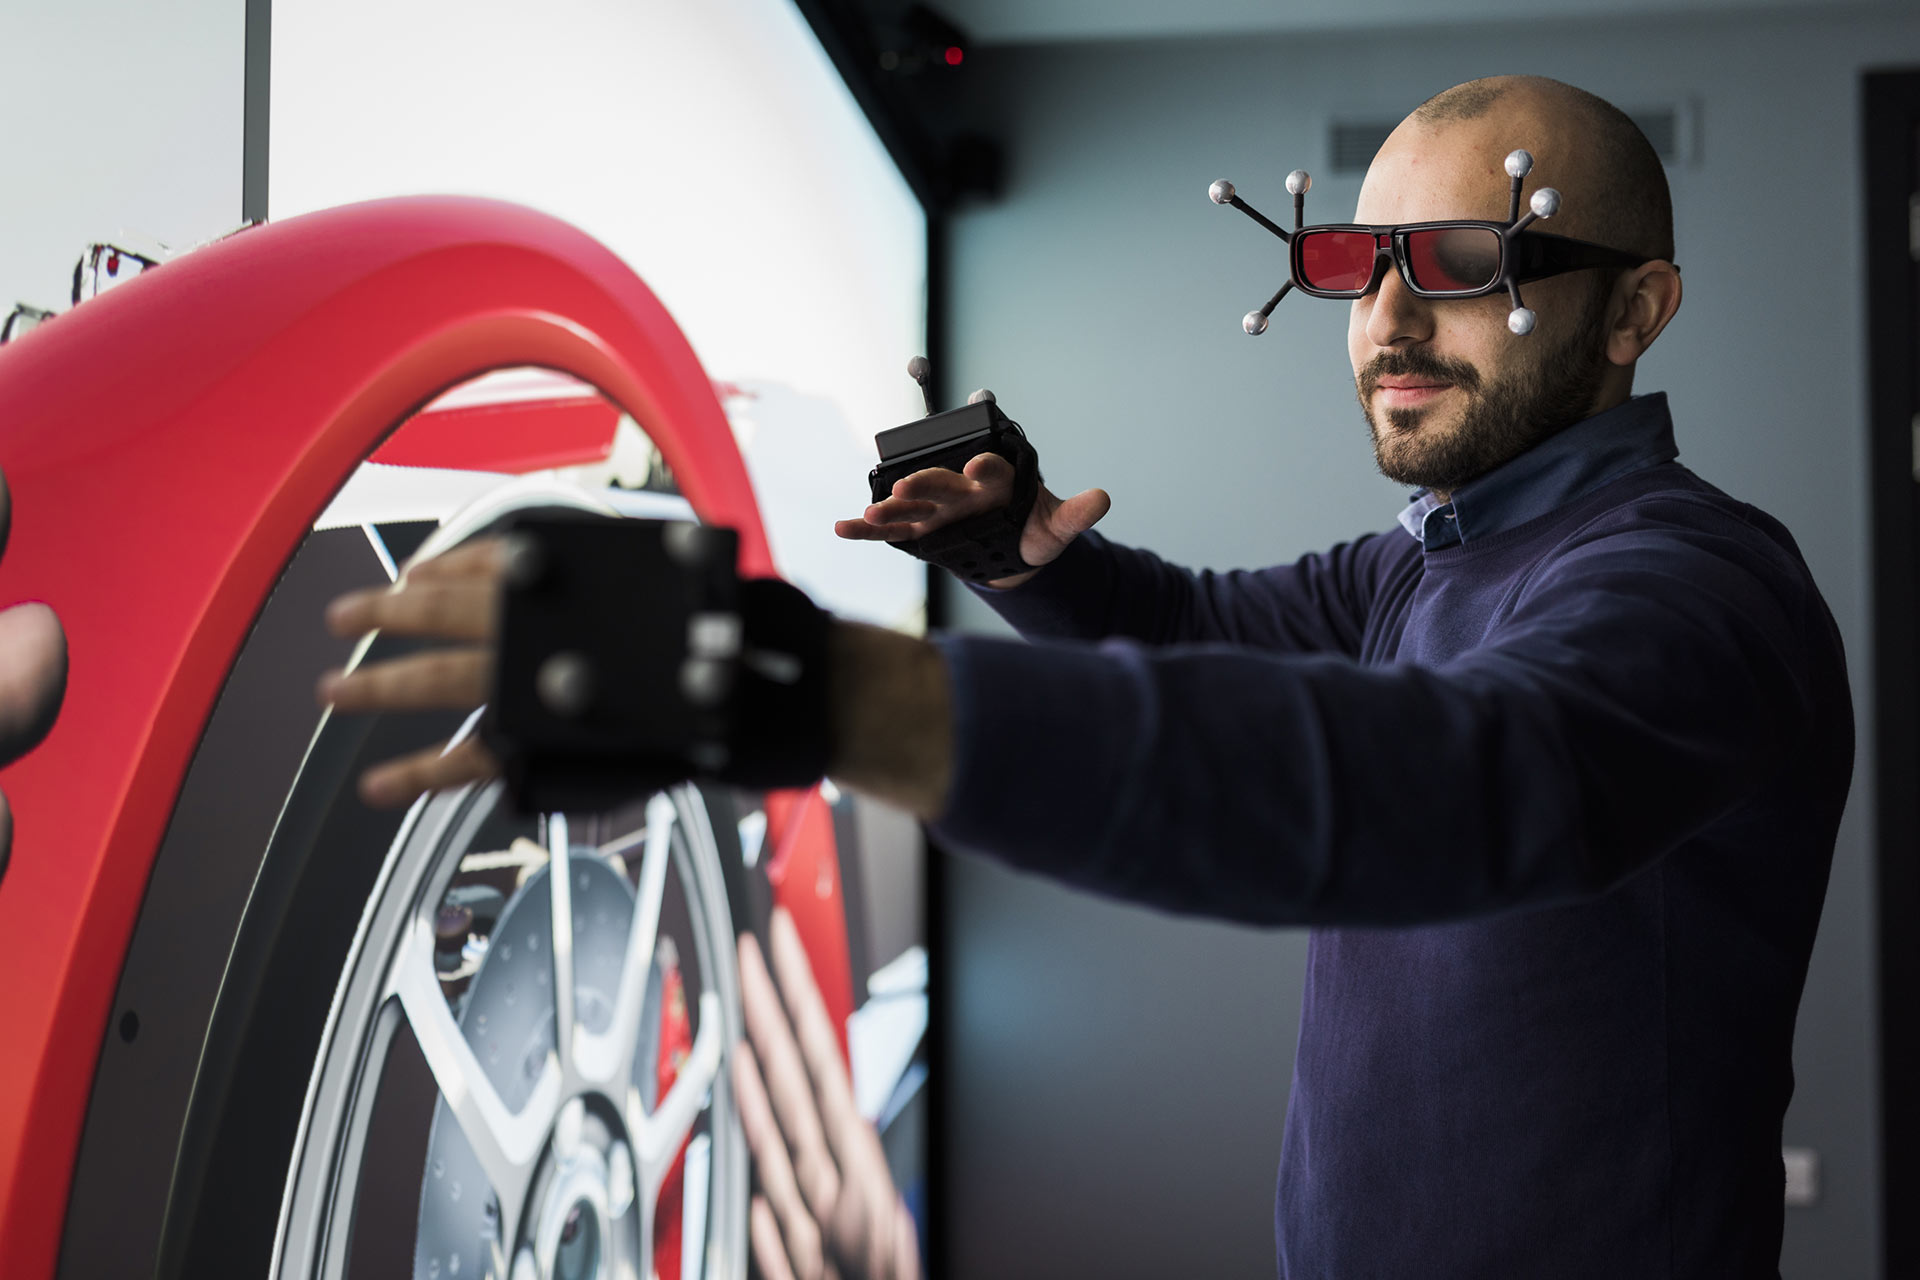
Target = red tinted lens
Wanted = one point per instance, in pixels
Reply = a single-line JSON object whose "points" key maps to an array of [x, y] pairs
{"points": [[1337, 261], [1453, 259]]}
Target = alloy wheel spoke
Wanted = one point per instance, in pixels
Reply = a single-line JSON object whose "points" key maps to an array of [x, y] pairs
{"points": [[648, 1212], [657, 1137], [605, 1060], [507, 1143], [560, 903]]}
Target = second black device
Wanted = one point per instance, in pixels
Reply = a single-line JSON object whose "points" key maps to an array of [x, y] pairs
{"points": [[985, 546]]}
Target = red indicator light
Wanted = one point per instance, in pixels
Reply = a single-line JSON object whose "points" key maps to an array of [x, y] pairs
{"points": [[954, 54]]}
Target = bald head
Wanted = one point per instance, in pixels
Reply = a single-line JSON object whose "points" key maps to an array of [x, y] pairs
{"points": [[1449, 392], [1614, 184]]}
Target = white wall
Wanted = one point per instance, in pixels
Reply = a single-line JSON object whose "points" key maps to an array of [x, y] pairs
{"points": [[715, 149], [1120, 1077], [123, 117]]}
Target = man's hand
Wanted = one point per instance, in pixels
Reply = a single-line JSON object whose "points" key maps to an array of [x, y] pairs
{"points": [[891, 714], [936, 497], [451, 597], [826, 1206]]}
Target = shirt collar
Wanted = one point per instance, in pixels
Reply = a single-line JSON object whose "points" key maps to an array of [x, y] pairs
{"points": [[1558, 470]]}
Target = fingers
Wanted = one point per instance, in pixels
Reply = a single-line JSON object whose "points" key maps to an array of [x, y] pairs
{"points": [[933, 497], [862, 1227], [787, 1082], [33, 677], [933, 484], [875, 1240], [906, 1243], [769, 1255], [460, 609], [849, 1137], [1079, 513], [861, 531], [901, 511], [986, 471], [443, 679], [795, 1237], [451, 596], [483, 558], [399, 782], [989, 469]]}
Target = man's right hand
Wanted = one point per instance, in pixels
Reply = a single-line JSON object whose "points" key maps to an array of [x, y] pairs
{"points": [[930, 499]]}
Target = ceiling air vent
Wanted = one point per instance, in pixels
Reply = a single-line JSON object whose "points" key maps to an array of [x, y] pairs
{"points": [[1667, 129], [1351, 143]]}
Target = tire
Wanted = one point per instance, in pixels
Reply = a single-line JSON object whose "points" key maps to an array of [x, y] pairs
{"points": [[316, 1140]]}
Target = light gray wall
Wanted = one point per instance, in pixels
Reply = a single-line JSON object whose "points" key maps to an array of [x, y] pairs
{"points": [[124, 118], [1119, 1077]]}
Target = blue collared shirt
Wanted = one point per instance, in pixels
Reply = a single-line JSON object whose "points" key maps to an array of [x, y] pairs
{"points": [[1546, 477]]}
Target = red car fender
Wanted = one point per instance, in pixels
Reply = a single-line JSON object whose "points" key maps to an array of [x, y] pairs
{"points": [[168, 445], [515, 437]]}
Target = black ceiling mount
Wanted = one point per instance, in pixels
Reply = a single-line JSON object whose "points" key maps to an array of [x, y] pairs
{"points": [[905, 64]]}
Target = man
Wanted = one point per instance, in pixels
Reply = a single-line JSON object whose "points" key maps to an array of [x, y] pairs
{"points": [[1578, 731]]}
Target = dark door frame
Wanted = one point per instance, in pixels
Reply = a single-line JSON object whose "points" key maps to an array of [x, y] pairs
{"points": [[1890, 115]]}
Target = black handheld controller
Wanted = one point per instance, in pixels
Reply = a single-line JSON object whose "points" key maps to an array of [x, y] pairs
{"points": [[632, 656], [984, 546]]}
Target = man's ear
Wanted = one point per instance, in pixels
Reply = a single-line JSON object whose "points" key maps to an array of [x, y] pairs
{"points": [[1644, 300]]}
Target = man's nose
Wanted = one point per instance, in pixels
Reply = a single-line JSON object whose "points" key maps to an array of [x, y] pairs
{"points": [[1399, 316]]}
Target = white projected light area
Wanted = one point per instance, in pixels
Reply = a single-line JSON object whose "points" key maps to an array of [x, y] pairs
{"points": [[715, 149]]}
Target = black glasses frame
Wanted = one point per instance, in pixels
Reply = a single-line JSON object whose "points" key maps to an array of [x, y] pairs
{"points": [[1533, 255], [1524, 255]]}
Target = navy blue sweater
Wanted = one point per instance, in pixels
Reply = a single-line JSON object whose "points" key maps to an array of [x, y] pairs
{"points": [[1558, 788]]}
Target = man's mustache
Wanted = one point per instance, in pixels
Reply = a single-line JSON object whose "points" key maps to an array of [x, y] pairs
{"points": [[1414, 362]]}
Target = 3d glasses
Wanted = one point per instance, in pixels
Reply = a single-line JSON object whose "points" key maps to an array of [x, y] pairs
{"points": [[1460, 258]]}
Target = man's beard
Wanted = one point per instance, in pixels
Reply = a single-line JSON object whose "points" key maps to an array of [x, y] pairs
{"points": [[1503, 419]]}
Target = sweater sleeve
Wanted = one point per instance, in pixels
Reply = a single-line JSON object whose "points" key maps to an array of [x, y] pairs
{"points": [[1100, 589], [1640, 687]]}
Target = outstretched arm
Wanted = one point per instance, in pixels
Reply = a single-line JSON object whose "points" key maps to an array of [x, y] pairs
{"points": [[1634, 694], [1088, 588], [891, 723]]}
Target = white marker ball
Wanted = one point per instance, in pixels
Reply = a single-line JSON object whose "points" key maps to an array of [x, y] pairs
{"points": [[1254, 323], [1220, 192], [1521, 320], [1519, 163], [1299, 182], [1545, 202]]}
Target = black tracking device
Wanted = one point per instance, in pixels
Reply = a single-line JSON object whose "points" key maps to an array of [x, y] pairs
{"points": [[632, 656], [982, 547]]}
